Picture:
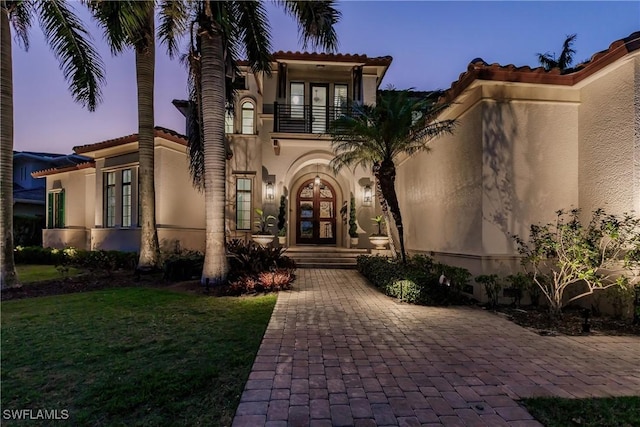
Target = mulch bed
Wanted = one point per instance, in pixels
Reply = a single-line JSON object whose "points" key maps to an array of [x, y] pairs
{"points": [[81, 283], [571, 322]]}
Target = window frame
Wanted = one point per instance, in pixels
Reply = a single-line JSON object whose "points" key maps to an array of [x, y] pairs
{"points": [[298, 111], [56, 208], [110, 220], [126, 184], [244, 125], [246, 222]]}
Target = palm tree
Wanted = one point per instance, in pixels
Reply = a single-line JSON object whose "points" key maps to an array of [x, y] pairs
{"points": [[565, 59], [401, 122], [220, 32], [82, 68], [131, 24]]}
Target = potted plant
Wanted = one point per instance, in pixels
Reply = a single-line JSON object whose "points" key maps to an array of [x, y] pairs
{"points": [[353, 227], [262, 236], [379, 239], [282, 231]]}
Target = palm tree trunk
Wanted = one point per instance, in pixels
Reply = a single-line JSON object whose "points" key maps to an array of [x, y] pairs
{"points": [[213, 97], [145, 64], [384, 206], [387, 178], [8, 275]]}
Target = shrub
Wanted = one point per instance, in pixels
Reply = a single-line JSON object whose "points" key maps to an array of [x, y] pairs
{"points": [[519, 282], [353, 226], [491, 286], [92, 260], [279, 279], [568, 253], [417, 281], [183, 266], [249, 258]]}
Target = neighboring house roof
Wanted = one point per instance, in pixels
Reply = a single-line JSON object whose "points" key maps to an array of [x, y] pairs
{"points": [[160, 132], [34, 155], [33, 195], [480, 70]]}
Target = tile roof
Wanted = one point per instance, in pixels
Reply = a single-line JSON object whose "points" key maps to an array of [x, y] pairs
{"points": [[53, 171], [329, 57], [159, 132], [333, 57], [480, 70]]}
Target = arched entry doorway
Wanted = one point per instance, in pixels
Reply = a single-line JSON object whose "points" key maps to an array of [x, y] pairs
{"points": [[316, 213]]}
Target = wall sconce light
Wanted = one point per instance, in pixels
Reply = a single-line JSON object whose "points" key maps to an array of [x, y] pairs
{"points": [[270, 191], [367, 196]]}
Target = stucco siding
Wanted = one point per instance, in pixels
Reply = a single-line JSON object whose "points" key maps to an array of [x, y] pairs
{"points": [[178, 203], [440, 191], [608, 140], [529, 167]]}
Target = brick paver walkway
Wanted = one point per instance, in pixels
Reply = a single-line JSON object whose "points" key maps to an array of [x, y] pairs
{"points": [[339, 353]]}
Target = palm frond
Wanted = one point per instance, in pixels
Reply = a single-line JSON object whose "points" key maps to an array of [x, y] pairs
{"points": [[195, 146], [253, 29], [69, 41], [316, 20], [547, 61], [20, 15], [124, 23], [566, 57], [174, 19]]}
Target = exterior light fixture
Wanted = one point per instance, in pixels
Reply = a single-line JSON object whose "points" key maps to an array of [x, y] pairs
{"points": [[367, 196], [270, 191], [317, 181]]}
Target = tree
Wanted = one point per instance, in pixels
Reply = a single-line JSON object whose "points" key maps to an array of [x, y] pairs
{"points": [[401, 122], [131, 24], [219, 32], [82, 68], [563, 62], [568, 253]]}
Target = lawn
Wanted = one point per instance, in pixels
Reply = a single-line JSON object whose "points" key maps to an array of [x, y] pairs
{"points": [[37, 273], [131, 356], [603, 412]]}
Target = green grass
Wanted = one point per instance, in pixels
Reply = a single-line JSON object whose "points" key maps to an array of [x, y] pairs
{"points": [[599, 412], [131, 356], [37, 273]]}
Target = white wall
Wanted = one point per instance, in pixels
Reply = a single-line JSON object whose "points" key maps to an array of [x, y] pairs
{"points": [[610, 139]]}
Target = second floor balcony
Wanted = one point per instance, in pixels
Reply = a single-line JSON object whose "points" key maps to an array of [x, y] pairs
{"points": [[315, 119]]}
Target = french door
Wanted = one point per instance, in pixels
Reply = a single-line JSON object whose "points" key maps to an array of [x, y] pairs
{"points": [[316, 220], [319, 107]]}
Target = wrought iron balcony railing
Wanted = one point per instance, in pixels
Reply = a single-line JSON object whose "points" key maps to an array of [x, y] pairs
{"points": [[289, 118]]}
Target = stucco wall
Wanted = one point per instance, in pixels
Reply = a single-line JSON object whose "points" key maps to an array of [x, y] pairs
{"points": [[609, 131], [178, 203], [511, 162], [440, 191]]}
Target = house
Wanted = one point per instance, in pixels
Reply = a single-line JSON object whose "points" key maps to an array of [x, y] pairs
{"points": [[528, 142], [279, 144], [29, 204]]}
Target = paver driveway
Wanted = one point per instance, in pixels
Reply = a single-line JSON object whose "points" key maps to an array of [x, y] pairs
{"points": [[337, 352]]}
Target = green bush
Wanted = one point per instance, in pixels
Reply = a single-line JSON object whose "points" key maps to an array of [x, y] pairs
{"points": [[92, 260], [254, 268], [417, 281], [183, 266], [249, 258]]}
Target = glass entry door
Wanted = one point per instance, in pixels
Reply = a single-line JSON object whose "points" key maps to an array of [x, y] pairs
{"points": [[316, 223], [319, 107]]}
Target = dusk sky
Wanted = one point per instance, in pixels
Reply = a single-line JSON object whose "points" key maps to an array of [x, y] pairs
{"points": [[431, 44]]}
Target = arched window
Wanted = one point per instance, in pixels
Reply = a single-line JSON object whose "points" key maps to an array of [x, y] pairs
{"points": [[248, 114]]}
